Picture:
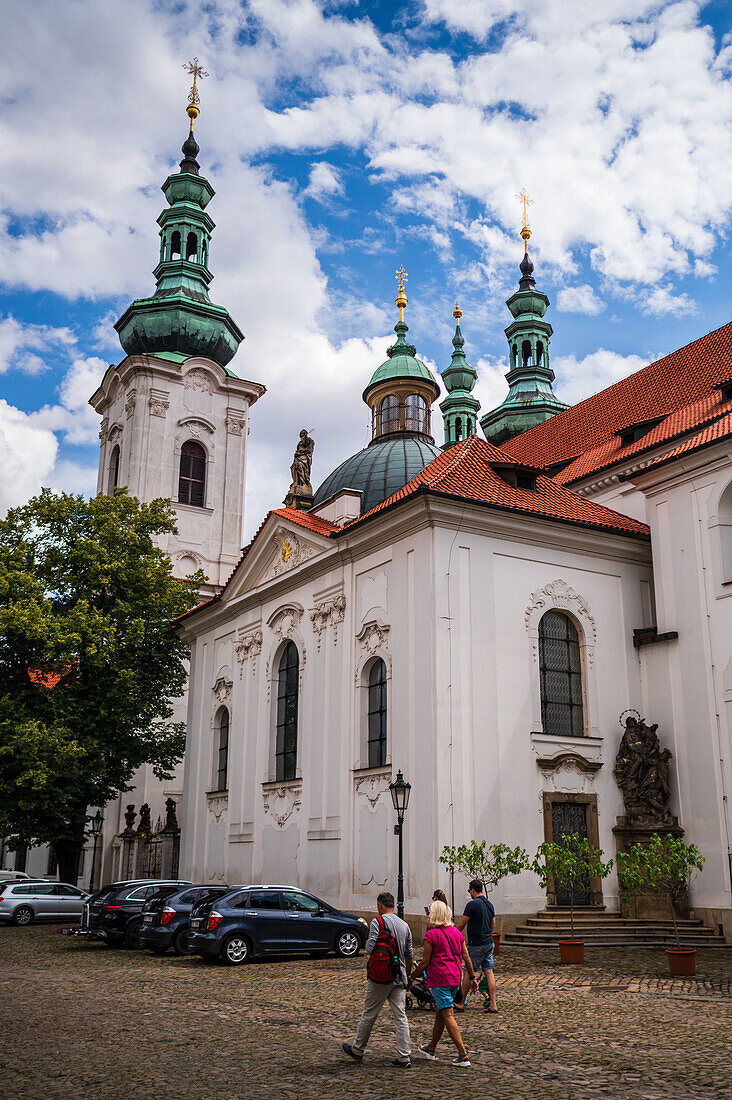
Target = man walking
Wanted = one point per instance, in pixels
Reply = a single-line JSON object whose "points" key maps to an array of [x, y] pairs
{"points": [[478, 916], [390, 952]]}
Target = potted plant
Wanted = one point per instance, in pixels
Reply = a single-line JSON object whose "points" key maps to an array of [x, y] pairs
{"points": [[489, 862], [571, 862], [665, 867]]}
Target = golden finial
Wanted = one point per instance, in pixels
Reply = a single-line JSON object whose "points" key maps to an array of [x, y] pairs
{"points": [[401, 298], [525, 201], [196, 70], [457, 313]]}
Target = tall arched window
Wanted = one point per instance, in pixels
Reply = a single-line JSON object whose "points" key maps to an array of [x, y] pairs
{"points": [[192, 480], [192, 248], [222, 750], [526, 353], [389, 414], [113, 477], [377, 714], [415, 413], [175, 245], [560, 671], [288, 689], [725, 533]]}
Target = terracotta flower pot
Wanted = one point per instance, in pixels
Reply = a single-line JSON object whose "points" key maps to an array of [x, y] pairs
{"points": [[496, 942], [572, 951], [681, 960]]}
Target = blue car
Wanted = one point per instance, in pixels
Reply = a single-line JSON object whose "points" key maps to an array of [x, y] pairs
{"points": [[262, 920], [165, 917]]}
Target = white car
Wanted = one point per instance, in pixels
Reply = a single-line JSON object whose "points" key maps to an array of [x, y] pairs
{"points": [[23, 902]]}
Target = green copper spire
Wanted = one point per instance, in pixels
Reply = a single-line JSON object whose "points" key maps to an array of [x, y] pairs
{"points": [[459, 409], [530, 398], [180, 316]]}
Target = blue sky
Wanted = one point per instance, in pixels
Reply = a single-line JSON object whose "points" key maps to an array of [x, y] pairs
{"points": [[342, 140]]}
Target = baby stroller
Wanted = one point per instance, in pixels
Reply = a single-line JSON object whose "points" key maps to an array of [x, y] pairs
{"points": [[422, 995]]}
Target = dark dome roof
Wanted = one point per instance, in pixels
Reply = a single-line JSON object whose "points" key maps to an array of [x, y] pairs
{"points": [[379, 470]]}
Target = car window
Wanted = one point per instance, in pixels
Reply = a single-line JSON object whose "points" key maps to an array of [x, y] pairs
{"points": [[43, 888], [142, 892], [238, 901], [301, 903], [20, 891], [68, 891], [189, 897], [264, 900]]}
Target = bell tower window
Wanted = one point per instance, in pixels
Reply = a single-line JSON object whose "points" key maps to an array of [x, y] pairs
{"points": [[175, 245], [192, 248], [192, 479], [389, 414]]}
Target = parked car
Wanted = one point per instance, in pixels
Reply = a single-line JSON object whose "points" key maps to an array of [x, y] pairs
{"points": [[165, 917], [29, 900], [258, 920], [114, 913]]}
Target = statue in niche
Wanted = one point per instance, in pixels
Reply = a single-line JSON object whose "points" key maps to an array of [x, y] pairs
{"points": [[300, 493], [642, 772]]}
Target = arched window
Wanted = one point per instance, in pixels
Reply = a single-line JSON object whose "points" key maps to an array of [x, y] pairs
{"points": [[560, 671], [459, 428], [288, 689], [416, 413], [526, 353], [175, 245], [389, 414], [192, 480], [725, 532], [113, 477], [539, 354], [222, 750], [377, 714], [192, 248]]}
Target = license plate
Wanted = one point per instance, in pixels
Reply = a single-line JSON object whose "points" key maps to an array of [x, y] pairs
{"points": [[195, 924], [148, 919]]}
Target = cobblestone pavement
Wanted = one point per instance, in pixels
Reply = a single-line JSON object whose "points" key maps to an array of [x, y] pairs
{"points": [[79, 1019]]}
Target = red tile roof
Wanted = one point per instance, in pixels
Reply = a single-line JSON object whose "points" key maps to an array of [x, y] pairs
{"points": [[713, 433], [467, 471], [680, 389], [45, 679]]}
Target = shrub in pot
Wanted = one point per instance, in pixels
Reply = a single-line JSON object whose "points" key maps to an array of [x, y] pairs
{"points": [[570, 862], [488, 862], [665, 867]]}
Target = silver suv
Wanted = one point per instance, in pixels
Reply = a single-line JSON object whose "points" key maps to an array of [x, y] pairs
{"points": [[23, 902]]}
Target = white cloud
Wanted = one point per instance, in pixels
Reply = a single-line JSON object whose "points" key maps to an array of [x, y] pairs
{"points": [[23, 347], [662, 302], [325, 181], [579, 299], [74, 416], [27, 456], [577, 379]]}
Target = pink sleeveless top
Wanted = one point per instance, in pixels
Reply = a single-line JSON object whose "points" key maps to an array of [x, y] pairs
{"points": [[445, 965]]}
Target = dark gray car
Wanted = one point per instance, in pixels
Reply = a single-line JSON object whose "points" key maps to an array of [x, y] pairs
{"points": [[23, 902]]}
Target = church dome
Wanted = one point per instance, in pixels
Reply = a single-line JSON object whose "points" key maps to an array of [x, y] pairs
{"points": [[379, 469]]}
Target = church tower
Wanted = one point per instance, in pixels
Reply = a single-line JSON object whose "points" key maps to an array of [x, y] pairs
{"points": [[174, 415], [530, 398], [460, 408]]}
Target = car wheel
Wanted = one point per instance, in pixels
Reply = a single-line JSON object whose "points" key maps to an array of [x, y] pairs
{"points": [[132, 936], [347, 945], [180, 942], [23, 915], [235, 950]]}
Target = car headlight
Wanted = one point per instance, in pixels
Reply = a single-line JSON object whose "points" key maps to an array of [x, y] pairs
{"points": [[364, 922]]}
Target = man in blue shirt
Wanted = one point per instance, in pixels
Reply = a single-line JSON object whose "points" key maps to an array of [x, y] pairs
{"points": [[478, 917]]}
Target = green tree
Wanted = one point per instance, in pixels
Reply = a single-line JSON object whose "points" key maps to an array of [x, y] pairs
{"points": [[489, 863], [665, 867], [88, 660], [570, 862]]}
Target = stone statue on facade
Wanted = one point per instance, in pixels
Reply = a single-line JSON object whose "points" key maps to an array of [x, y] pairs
{"points": [[130, 815], [171, 816], [642, 773], [145, 826], [300, 493]]}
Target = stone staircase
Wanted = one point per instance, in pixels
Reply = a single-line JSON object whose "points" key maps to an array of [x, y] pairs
{"points": [[599, 928]]}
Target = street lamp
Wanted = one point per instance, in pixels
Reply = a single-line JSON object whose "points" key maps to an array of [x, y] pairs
{"points": [[400, 792], [96, 827]]}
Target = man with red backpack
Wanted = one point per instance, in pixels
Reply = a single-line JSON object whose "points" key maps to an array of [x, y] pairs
{"points": [[390, 952]]}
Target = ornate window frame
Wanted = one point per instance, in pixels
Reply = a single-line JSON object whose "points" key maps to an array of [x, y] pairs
{"points": [[372, 640], [558, 595], [284, 623]]}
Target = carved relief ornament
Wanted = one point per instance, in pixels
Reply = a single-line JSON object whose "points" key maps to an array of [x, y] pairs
{"points": [[373, 636], [558, 595], [281, 801], [198, 379], [248, 646], [285, 620], [329, 611], [372, 787], [130, 403], [234, 425], [289, 552], [222, 689]]}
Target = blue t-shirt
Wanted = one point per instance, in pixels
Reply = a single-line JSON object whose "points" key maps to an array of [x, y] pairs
{"points": [[480, 915]]}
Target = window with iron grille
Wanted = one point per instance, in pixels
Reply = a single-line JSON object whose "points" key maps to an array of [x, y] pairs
{"points": [[415, 413], [288, 688], [192, 480], [389, 410], [560, 672], [377, 714], [222, 757]]}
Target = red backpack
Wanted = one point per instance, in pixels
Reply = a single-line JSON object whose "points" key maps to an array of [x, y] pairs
{"points": [[383, 965]]}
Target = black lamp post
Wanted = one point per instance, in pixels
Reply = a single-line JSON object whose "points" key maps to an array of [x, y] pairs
{"points": [[400, 792], [96, 827]]}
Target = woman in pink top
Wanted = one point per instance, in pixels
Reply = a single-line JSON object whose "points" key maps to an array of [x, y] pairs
{"points": [[444, 952]]}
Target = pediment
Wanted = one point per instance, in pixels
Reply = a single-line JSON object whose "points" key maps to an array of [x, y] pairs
{"points": [[280, 548]]}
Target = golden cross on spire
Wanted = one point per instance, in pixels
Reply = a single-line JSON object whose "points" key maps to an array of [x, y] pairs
{"points": [[401, 298], [196, 70], [525, 201]]}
